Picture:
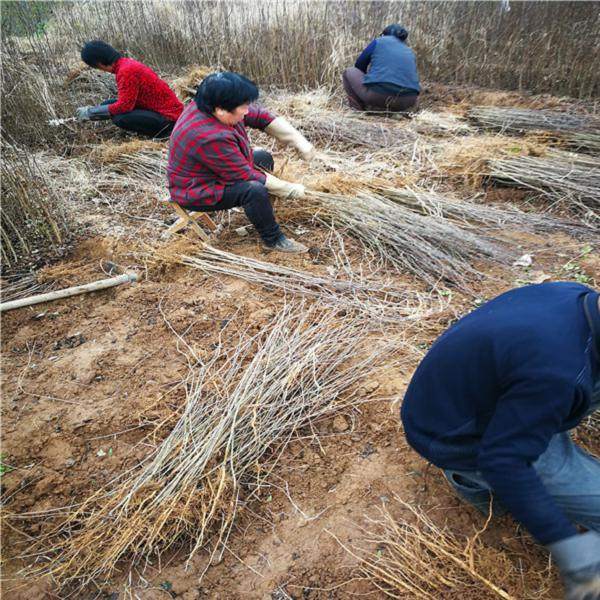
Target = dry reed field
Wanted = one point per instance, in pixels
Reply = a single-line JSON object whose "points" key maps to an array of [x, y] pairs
{"points": [[227, 427]]}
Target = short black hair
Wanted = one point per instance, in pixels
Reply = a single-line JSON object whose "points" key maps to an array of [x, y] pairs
{"points": [[397, 31], [98, 52], [225, 90]]}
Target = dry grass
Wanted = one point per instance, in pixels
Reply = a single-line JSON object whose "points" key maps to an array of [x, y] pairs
{"points": [[142, 151], [119, 175], [134, 163], [185, 86], [296, 45], [428, 122], [305, 102], [408, 556], [91, 83]]}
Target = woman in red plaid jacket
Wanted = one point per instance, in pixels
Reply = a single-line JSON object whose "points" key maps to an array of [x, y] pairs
{"points": [[145, 104], [212, 165]]}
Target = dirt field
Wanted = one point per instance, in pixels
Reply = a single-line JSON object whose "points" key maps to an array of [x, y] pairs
{"points": [[91, 384]]}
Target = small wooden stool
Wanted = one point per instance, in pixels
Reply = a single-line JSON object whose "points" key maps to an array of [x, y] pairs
{"points": [[190, 218]]}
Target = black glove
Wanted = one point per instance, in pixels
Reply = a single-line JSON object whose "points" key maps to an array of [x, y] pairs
{"points": [[578, 558], [93, 113]]}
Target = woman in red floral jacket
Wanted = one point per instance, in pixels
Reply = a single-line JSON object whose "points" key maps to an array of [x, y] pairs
{"points": [[145, 104]]}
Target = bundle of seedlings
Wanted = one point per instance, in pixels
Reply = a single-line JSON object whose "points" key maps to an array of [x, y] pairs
{"points": [[469, 159], [581, 131], [142, 160], [411, 557], [245, 402], [527, 119], [381, 302], [331, 129], [431, 247], [469, 213], [34, 224], [564, 178]]}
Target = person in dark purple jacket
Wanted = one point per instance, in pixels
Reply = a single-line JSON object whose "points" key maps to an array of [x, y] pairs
{"points": [[492, 404], [385, 76]]}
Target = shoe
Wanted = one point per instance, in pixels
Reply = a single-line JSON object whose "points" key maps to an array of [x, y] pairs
{"points": [[285, 244]]}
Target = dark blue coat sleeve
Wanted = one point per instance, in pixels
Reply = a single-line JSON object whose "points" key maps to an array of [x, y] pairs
{"points": [[362, 62], [527, 415]]}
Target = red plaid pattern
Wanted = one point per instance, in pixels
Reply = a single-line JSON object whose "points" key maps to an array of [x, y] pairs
{"points": [[205, 155], [140, 87]]}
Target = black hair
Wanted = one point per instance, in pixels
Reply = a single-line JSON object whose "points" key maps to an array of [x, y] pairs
{"points": [[98, 52], [397, 31], [225, 90]]}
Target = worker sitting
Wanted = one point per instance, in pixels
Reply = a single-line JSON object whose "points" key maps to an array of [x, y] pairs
{"points": [[212, 166], [391, 84], [145, 103], [492, 403]]}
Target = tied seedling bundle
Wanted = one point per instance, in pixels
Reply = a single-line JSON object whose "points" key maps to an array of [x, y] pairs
{"points": [[245, 403], [578, 131]]}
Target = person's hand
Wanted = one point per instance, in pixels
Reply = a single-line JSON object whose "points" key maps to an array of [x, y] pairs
{"points": [[583, 584], [83, 113], [307, 152], [578, 558], [295, 190], [284, 189]]}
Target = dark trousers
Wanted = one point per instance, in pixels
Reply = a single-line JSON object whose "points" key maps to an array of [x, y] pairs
{"points": [[253, 197], [146, 122], [361, 97]]}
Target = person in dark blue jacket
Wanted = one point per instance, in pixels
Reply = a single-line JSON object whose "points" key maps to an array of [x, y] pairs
{"points": [[492, 403], [385, 76]]}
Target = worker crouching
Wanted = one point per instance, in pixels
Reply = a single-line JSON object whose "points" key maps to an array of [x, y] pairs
{"points": [[145, 103], [385, 77], [492, 404], [212, 166]]}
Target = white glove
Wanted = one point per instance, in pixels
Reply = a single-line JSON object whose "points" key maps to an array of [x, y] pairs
{"points": [[286, 133], [284, 189]]}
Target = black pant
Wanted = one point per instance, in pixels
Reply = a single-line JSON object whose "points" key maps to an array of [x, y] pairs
{"points": [[146, 122], [362, 97], [253, 197]]}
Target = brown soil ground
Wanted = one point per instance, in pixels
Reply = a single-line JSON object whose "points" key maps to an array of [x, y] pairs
{"points": [[87, 381]]}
